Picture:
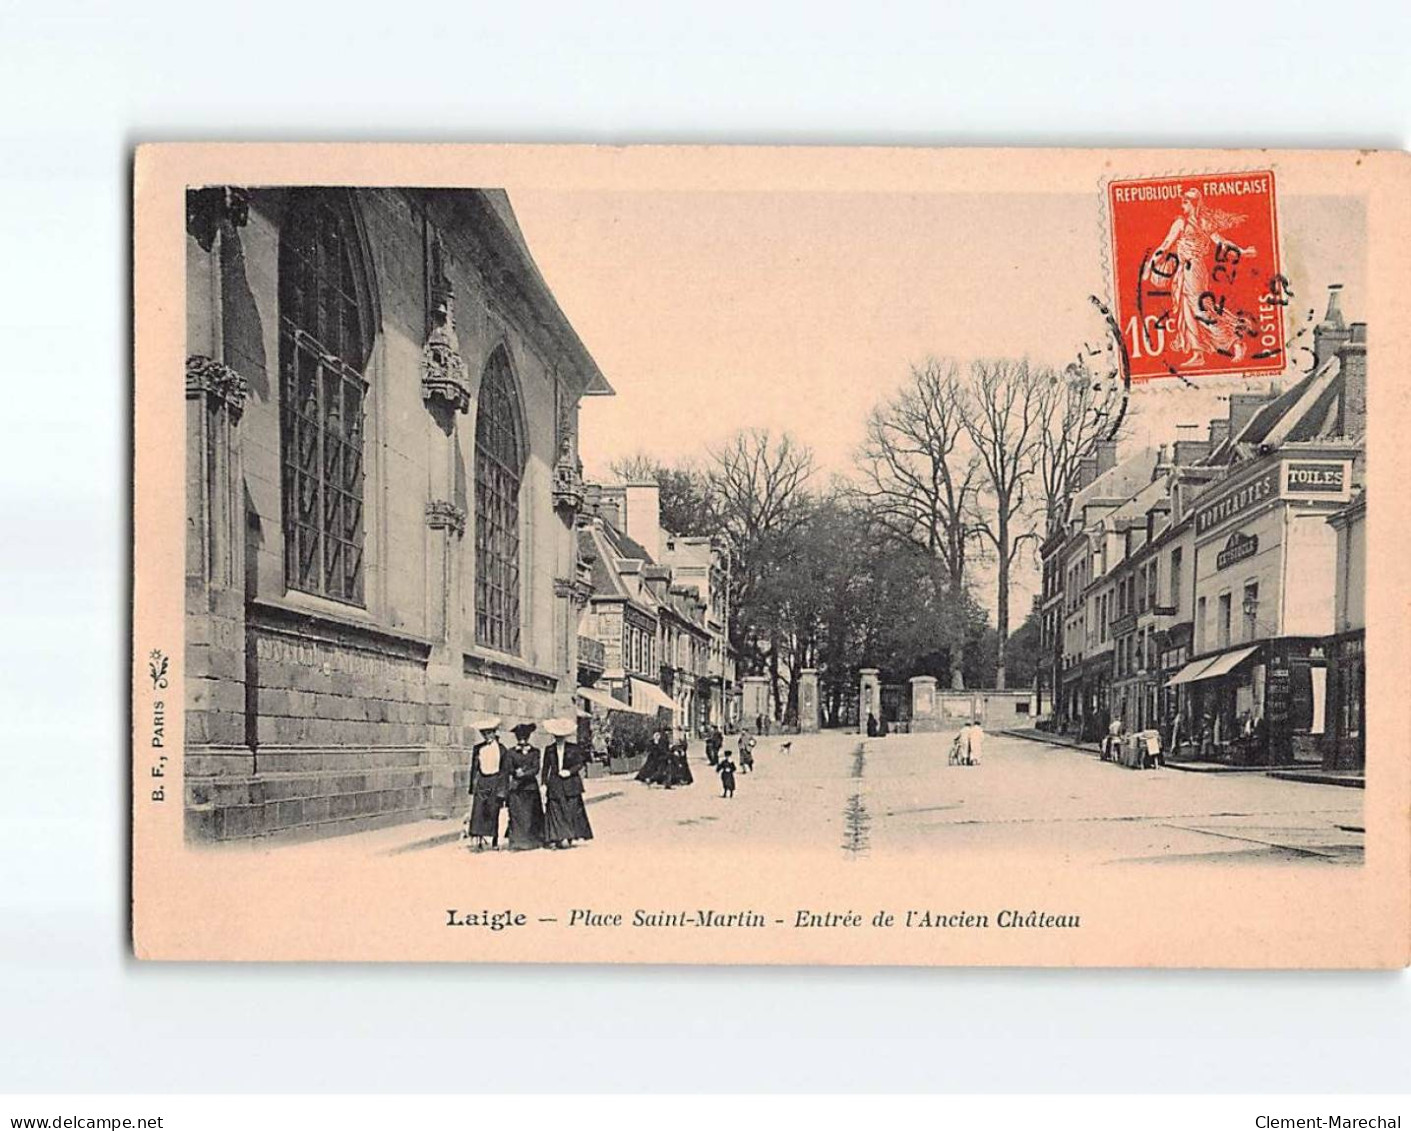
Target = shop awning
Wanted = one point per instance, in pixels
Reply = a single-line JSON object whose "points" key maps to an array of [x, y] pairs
{"points": [[602, 699], [651, 696], [1226, 663], [1212, 666], [1191, 672]]}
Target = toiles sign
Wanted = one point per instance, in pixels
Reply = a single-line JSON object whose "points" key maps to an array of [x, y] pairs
{"points": [[1239, 547], [1246, 497], [1317, 479]]}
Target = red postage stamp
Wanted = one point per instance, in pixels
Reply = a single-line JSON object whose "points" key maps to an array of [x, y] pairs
{"points": [[1195, 264]]}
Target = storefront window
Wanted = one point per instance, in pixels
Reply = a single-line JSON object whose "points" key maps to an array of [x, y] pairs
{"points": [[1352, 676]]}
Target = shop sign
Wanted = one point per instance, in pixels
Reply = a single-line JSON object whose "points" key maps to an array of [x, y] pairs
{"points": [[1246, 497], [1239, 547], [1316, 479], [1278, 688]]}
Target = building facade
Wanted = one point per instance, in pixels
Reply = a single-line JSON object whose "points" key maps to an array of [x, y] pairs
{"points": [[1347, 650], [702, 565], [1215, 582], [382, 483]]}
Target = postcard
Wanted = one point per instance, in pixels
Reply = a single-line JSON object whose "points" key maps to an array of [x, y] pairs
{"points": [[728, 555]]}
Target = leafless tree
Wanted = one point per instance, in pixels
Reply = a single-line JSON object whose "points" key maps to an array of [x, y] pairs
{"points": [[1079, 408], [1003, 414], [919, 481], [759, 488]]}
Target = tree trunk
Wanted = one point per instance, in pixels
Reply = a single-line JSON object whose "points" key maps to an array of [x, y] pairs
{"points": [[774, 676], [1002, 604]]}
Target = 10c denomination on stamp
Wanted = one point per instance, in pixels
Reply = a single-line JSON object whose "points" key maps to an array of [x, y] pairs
{"points": [[1196, 275]]}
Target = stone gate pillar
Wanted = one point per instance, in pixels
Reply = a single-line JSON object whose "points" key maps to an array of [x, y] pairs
{"points": [[869, 696], [924, 705], [755, 700], [808, 701]]}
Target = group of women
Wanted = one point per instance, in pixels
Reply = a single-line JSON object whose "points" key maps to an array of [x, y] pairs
{"points": [[666, 763], [510, 780]]}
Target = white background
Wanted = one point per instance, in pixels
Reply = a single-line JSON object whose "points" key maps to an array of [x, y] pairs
{"points": [[80, 84]]}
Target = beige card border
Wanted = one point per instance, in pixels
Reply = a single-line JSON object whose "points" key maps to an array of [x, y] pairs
{"points": [[205, 904]]}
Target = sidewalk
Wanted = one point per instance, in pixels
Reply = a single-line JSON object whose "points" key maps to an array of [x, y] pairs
{"points": [[1311, 774], [1033, 734]]}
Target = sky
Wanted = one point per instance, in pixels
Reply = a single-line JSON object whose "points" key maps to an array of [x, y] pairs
{"points": [[709, 311]]}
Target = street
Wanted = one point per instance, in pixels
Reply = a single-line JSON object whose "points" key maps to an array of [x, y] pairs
{"points": [[855, 797]]}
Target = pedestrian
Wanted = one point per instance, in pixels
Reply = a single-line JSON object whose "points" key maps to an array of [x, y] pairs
{"points": [[1112, 743], [726, 770], [526, 823], [714, 740], [678, 768], [977, 741], [488, 784], [565, 815], [747, 744], [871, 725], [653, 771]]}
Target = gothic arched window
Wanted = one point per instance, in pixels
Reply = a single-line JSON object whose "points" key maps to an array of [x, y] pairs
{"points": [[323, 349], [499, 466]]}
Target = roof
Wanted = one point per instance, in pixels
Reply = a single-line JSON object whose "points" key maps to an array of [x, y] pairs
{"points": [[1135, 508], [606, 582], [1305, 411], [1118, 483], [624, 546], [489, 210]]}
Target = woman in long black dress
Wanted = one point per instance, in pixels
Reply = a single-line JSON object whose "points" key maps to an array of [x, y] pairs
{"points": [[678, 767], [565, 815], [654, 769], [526, 825], [488, 779]]}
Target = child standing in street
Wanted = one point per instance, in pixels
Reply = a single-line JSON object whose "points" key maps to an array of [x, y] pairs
{"points": [[747, 742], [726, 770]]}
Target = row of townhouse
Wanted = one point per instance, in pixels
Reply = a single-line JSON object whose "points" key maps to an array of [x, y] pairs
{"points": [[653, 633], [1214, 590]]}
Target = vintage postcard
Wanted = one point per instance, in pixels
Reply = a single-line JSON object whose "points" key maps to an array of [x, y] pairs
{"points": [[748, 555]]}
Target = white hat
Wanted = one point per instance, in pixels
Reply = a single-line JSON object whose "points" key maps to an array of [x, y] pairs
{"points": [[486, 724], [560, 728]]}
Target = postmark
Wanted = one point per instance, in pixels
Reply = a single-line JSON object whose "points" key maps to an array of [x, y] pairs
{"points": [[1197, 282]]}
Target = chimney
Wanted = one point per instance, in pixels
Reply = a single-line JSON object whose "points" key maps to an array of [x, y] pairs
{"points": [[1243, 406], [1332, 332], [1106, 455], [1352, 357], [1219, 433], [1087, 471], [643, 518], [610, 507], [1188, 452]]}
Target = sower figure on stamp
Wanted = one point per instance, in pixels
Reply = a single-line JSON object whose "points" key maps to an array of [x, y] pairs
{"points": [[565, 815], [526, 824], [488, 782], [1184, 263]]}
